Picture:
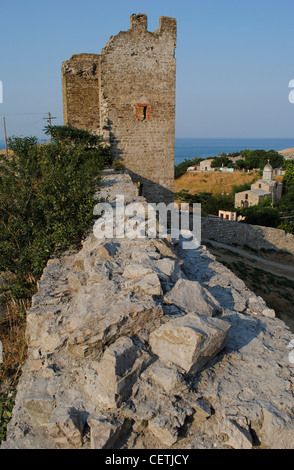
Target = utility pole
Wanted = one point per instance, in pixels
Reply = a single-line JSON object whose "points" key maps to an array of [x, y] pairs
{"points": [[5, 134], [49, 122]]}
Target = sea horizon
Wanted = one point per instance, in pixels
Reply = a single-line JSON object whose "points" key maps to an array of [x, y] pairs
{"points": [[187, 148], [190, 147]]}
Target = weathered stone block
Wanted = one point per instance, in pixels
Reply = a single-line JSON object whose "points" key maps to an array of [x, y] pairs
{"points": [[133, 271], [277, 431], [42, 332], [149, 284], [117, 372], [192, 297], [167, 435], [105, 431], [168, 378], [76, 280], [68, 422], [238, 433], [189, 341], [39, 403]]}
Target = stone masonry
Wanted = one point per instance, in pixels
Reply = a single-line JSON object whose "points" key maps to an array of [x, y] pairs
{"points": [[127, 94], [255, 236], [141, 344]]}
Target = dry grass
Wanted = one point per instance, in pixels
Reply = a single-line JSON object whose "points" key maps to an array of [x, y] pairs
{"points": [[214, 182], [14, 346], [14, 352], [12, 334], [3, 152]]}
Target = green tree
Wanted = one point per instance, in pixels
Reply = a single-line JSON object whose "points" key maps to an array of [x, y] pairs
{"points": [[239, 164], [288, 179], [222, 160], [210, 203], [259, 158], [46, 199], [182, 167], [261, 214]]}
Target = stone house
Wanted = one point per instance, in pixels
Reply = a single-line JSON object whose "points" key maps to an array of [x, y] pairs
{"points": [[266, 187], [194, 168], [127, 94], [279, 171], [205, 165]]}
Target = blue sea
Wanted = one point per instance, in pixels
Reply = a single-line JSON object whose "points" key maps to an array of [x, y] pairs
{"points": [[188, 148]]}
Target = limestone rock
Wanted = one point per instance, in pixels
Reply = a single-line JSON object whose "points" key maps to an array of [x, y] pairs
{"points": [[149, 284], [133, 271], [192, 297], [105, 431], [168, 378], [202, 410], [42, 332], [39, 403], [269, 312], [117, 372], [189, 341], [102, 326], [277, 431], [163, 432], [167, 269], [67, 422], [76, 280], [107, 250], [237, 432]]}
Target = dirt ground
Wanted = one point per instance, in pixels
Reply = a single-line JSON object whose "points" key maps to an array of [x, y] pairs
{"points": [[275, 286]]}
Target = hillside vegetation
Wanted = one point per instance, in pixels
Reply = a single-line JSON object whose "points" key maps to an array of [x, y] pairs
{"points": [[46, 205]]}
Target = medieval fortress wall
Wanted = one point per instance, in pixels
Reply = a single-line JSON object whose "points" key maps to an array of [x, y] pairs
{"points": [[127, 94], [80, 88], [255, 236], [139, 343]]}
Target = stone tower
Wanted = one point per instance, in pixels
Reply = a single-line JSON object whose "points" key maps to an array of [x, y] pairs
{"points": [[127, 94]]}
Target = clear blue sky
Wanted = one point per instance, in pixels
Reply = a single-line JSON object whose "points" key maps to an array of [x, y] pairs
{"points": [[234, 60]]}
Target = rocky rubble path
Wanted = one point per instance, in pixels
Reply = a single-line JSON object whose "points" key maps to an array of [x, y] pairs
{"points": [[142, 344]]}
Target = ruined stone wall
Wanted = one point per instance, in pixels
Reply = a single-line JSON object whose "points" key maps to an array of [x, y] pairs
{"points": [[128, 95], [80, 87], [254, 236], [142, 344], [138, 70]]}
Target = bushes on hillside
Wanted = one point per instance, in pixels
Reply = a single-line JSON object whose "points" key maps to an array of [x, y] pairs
{"points": [[181, 168], [210, 203], [259, 158], [261, 214], [46, 199]]}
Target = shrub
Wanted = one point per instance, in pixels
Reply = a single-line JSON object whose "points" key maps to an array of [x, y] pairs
{"points": [[118, 165], [46, 204], [182, 167], [46, 199], [210, 203]]}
